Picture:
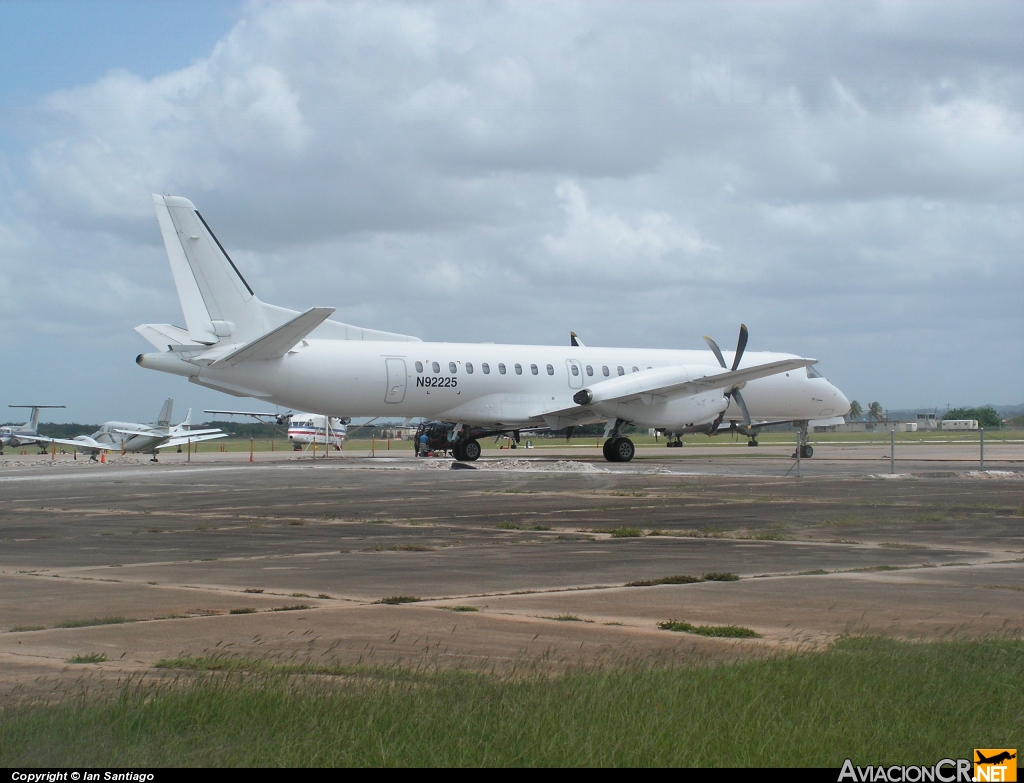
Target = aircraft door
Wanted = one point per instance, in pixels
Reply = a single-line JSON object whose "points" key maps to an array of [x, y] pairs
{"points": [[396, 380], [575, 370]]}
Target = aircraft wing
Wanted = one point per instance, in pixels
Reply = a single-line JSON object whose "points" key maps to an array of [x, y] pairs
{"points": [[81, 442], [193, 433], [181, 441], [246, 413], [666, 382], [142, 433]]}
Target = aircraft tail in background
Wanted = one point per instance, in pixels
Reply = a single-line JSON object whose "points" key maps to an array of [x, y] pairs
{"points": [[164, 420]]}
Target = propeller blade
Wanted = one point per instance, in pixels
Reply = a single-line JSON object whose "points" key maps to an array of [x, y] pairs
{"points": [[568, 433], [743, 406], [741, 346], [716, 350]]}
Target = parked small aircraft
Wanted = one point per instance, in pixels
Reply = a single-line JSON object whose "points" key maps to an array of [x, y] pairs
{"points": [[303, 428], [235, 343], [125, 436], [27, 433]]}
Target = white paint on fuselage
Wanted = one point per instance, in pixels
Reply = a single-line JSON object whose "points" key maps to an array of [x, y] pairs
{"points": [[350, 378]]}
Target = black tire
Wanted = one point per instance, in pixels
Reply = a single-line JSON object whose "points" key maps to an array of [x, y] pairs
{"points": [[470, 451], [807, 452], [753, 442], [623, 449], [457, 451], [607, 449]]}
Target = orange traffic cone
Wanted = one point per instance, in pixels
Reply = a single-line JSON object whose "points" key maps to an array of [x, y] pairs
{"points": [[103, 457]]}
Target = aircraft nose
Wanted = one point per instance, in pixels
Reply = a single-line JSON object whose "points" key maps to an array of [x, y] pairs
{"points": [[842, 405]]}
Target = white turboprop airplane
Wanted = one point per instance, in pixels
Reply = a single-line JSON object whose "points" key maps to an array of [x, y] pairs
{"points": [[27, 433], [126, 436], [303, 428], [237, 344]]}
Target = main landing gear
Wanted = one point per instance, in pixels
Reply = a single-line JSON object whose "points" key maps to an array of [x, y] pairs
{"points": [[466, 450], [619, 449]]}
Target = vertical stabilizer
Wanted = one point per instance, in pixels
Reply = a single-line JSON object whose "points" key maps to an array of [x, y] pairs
{"points": [[32, 425], [165, 414], [232, 310], [197, 317], [187, 421]]}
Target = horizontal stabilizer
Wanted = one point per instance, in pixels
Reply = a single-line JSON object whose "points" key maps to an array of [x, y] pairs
{"points": [[166, 336], [276, 343]]}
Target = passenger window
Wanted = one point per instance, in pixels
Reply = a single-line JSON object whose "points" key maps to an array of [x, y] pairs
{"points": [[590, 370], [486, 368], [452, 368], [620, 371], [551, 370], [533, 368], [636, 369], [501, 368], [419, 366], [605, 371], [575, 369], [435, 367], [469, 367], [519, 369]]}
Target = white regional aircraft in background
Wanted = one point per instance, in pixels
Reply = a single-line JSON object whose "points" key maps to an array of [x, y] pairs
{"points": [[128, 436], [27, 433], [235, 343], [303, 428]]}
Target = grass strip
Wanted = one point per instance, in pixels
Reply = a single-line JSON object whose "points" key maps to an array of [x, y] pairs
{"points": [[724, 631], [393, 600], [88, 658], [873, 700], [626, 532], [679, 579]]}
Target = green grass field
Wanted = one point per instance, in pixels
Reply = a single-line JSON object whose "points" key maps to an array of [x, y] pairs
{"points": [[872, 700]]}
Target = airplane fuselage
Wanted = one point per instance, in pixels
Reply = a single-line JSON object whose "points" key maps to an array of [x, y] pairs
{"points": [[135, 444], [496, 385]]}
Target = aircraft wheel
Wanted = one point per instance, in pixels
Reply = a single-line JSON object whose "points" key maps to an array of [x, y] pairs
{"points": [[753, 442], [624, 449], [807, 452], [457, 451], [607, 449], [470, 451]]}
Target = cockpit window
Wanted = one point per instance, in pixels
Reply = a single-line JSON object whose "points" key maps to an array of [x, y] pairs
{"points": [[813, 373]]}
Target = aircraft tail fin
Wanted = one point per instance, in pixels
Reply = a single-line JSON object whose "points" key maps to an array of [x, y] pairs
{"points": [[33, 418], [164, 419], [215, 298], [218, 303], [187, 421]]}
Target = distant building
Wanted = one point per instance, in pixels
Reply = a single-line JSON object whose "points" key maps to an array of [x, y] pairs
{"points": [[927, 421], [959, 424]]}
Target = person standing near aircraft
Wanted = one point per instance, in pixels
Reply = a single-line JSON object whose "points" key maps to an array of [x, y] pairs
{"points": [[235, 343]]}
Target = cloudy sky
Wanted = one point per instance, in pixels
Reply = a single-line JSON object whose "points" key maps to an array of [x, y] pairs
{"points": [[846, 179]]}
